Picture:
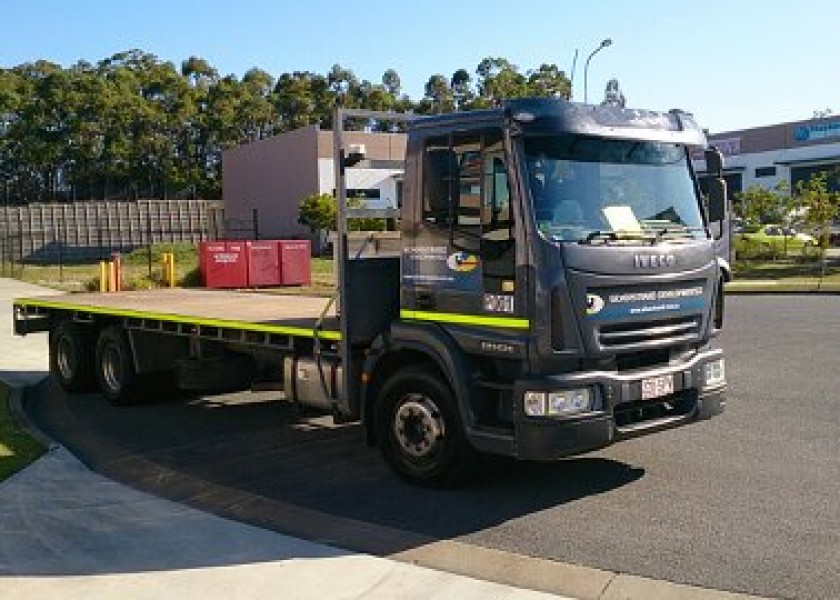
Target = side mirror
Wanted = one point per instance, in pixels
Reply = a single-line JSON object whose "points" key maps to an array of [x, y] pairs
{"points": [[717, 200], [714, 162]]}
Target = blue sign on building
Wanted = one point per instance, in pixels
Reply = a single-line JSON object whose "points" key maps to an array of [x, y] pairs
{"points": [[806, 133]]}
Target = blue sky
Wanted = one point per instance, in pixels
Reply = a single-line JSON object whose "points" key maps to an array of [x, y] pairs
{"points": [[734, 64]]}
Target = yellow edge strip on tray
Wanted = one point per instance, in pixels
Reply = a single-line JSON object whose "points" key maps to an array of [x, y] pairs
{"points": [[460, 319], [124, 312]]}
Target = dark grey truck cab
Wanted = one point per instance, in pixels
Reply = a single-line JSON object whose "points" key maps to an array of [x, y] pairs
{"points": [[561, 278]]}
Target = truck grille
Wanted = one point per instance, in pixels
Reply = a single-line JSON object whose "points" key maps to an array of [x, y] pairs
{"points": [[631, 335]]}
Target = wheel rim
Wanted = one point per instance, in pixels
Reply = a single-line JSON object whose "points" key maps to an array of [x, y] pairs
{"points": [[112, 368], [418, 426], [65, 357]]}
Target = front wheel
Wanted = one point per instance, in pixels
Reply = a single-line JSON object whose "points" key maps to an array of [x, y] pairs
{"points": [[419, 431]]}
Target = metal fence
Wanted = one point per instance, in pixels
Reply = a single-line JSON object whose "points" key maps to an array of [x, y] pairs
{"points": [[86, 231]]}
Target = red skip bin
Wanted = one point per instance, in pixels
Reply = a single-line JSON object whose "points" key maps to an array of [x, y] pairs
{"points": [[223, 264], [295, 262], [263, 263]]}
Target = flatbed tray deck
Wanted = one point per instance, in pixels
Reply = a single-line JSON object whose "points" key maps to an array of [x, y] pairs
{"points": [[189, 311]]}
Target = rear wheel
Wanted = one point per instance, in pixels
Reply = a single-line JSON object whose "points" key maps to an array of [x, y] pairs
{"points": [[419, 432], [71, 357], [115, 372]]}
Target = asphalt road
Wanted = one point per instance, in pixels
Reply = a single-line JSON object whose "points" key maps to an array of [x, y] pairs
{"points": [[747, 502]]}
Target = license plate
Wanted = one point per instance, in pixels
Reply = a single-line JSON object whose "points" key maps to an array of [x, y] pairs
{"points": [[656, 387]]}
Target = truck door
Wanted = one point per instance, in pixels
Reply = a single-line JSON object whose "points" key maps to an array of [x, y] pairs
{"points": [[462, 260]]}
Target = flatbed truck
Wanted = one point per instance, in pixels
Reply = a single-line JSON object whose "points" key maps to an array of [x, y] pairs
{"points": [[559, 288]]}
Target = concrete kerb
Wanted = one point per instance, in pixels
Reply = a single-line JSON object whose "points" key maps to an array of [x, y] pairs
{"points": [[757, 287], [16, 409], [544, 575]]}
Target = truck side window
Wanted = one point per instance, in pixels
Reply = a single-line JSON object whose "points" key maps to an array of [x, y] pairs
{"points": [[496, 218], [439, 172], [497, 232], [467, 200], [452, 183]]}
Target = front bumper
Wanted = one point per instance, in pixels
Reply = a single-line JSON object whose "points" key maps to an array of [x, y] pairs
{"points": [[619, 413]]}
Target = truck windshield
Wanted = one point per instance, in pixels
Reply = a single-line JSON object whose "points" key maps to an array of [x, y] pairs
{"points": [[592, 190]]}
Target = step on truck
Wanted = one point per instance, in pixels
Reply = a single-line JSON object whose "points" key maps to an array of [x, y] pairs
{"points": [[559, 288]]}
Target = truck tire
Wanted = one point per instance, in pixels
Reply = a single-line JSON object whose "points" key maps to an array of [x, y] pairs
{"points": [[115, 372], [71, 357], [419, 431]]}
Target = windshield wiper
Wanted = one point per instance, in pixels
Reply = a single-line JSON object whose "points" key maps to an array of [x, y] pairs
{"points": [[681, 231], [617, 236], [600, 235]]}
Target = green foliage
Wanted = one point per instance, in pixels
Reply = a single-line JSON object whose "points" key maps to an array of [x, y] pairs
{"points": [[134, 126], [185, 253], [318, 212], [769, 205], [820, 206], [17, 449], [191, 278], [762, 205]]}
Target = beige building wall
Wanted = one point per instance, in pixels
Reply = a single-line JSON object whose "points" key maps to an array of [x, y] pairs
{"points": [[272, 176], [379, 146]]}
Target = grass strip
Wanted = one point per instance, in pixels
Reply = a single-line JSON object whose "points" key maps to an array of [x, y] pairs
{"points": [[17, 449]]}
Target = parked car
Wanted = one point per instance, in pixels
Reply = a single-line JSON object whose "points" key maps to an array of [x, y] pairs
{"points": [[772, 239], [834, 234]]}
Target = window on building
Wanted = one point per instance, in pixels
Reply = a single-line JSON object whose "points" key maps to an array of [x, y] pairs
{"points": [[765, 172], [364, 194], [803, 174], [734, 183]]}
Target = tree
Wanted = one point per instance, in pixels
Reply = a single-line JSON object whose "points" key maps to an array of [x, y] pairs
{"points": [[318, 212], [460, 83], [199, 71], [758, 204], [548, 81], [499, 79], [132, 125], [438, 95], [391, 81], [820, 206], [342, 83]]}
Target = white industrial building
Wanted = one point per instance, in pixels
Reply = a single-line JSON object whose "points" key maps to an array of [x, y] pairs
{"points": [[790, 152]]}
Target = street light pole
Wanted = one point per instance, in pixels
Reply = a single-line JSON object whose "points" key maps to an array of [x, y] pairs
{"points": [[601, 46]]}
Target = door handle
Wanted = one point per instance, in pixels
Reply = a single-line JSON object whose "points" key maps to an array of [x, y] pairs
{"points": [[424, 300]]}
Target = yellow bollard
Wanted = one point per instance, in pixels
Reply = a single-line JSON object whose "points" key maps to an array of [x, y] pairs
{"points": [[112, 276], [103, 276], [168, 269], [171, 269]]}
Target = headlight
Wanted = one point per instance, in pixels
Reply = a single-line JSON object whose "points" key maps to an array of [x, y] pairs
{"points": [[534, 404], [715, 373], [557, 404], [569, 402]]}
